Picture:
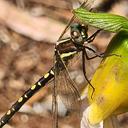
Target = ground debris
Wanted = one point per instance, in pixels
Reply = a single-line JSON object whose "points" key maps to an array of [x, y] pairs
{"points": [[26, 53]]}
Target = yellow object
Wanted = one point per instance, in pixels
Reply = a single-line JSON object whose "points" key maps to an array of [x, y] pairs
{"points": [[110, 82]]}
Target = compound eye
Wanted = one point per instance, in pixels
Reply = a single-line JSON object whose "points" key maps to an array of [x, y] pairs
{"points": [[75, 34]]}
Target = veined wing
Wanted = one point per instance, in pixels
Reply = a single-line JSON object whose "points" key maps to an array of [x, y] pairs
{"points": [[88, 3], [66, 88]]}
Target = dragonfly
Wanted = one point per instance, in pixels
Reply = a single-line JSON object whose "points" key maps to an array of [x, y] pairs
{"points": [[65, 50]]}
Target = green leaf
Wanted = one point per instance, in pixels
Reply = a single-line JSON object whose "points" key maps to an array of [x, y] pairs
{"points": [[105, 21]]}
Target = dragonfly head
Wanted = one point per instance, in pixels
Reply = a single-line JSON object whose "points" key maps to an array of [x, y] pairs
{"points": [[78, 33]]}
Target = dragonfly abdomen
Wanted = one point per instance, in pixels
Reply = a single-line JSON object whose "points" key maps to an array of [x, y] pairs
{"points": [[26, 96]]}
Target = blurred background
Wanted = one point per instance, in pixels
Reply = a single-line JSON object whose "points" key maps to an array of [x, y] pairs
{"points": [[28, 33]]}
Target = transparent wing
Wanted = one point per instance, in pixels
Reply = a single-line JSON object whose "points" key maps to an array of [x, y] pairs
{"points": [[68, 91], [88, 3], [75, 67], [54, 97], [66, 87]]}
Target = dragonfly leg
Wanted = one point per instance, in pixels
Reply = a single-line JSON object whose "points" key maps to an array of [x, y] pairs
{"points": [[92, 37], [84, 71], [101, 55]]}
